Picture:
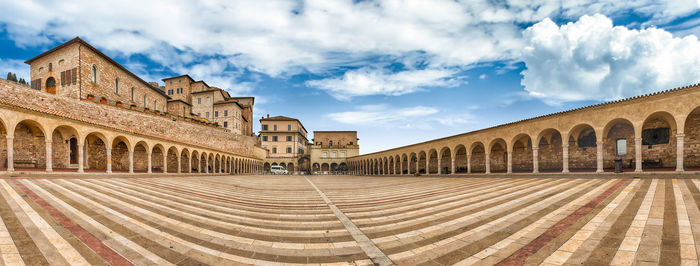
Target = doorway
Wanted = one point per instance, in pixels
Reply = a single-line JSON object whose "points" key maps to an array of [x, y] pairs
{"points": [[73, 147], [51, 85]]}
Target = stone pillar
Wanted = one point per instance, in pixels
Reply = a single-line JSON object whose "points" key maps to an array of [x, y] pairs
{"points": [[10, 153], [510, 162], [469, 163], [535, 160], [400, 168], [427, 165], [131, 162], [81, 150], [599, 157], [488, 163], [439, 165], [165, 162], [565, 158], [148, 154], [679, 152], [453, 165], [637, 154], [417, 168], [109, 160], [179, 164], [49, 155], [206, 165]]}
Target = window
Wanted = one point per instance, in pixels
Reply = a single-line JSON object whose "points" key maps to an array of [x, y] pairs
{"points": [[274, 127], [184, 111], [621, 146], [179, 90], [216, 113], [50, 67], [289, 149], [342, 154], [170, 92], [225, 113], [116, 86], [333, 155], [155, 105], [330, 143], [274, 149], [289, 138], [94, 74], [274, 138], [144, 101], [199, 100], [207, 114], [264, 138], [264, 127], [225, 124], [289, 127], [208, 100], [132, 93], [325, 154], [350, 143]]}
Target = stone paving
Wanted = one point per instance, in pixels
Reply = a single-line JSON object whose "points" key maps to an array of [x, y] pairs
{"points": [[349, 220]]}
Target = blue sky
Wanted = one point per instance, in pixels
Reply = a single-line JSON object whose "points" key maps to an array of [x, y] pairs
{"points": [[398, 72]]}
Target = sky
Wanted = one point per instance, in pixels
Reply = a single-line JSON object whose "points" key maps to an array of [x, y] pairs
{"points": [[398, 72]]}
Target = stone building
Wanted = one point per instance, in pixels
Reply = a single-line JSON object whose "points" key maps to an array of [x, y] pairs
{"points": [[331, 149], [57, 122], [286, 141], [653, 132]]}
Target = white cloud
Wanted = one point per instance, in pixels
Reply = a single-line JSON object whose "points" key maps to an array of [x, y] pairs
{"points": [[383, 115], [366, 81], [592, 60], [482, 76]]}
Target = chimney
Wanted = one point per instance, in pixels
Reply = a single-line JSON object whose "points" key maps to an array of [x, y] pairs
{"points": [[268, 115]]}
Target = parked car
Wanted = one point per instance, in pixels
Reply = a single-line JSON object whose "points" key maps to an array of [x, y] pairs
{"points": [[278, 170]]}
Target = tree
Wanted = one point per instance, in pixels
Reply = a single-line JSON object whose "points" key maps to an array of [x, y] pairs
{"points": [[9, 76], [14, 77], [22, 81]]}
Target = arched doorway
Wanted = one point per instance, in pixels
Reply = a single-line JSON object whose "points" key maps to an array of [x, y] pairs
{"points": [[51, 85], [583, 145], [477, 159], [659, 142]]}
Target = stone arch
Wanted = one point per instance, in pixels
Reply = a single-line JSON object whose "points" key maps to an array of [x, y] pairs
{"points": [[432, 161], [334, 167], [549, 151], [141, 150], [691, 140], [477, 158], [172, 160], [445, 165], [185, 161], [290, 167], [29, 144], [405, 164], [422, 159], [95, 151], [217, 164], [266, 167], [64, 147], [397, 164], [521, 158], [582, 140], [211, 164], [498, 153], [343, 167], [459, 153], [616, 132], [120, 154], [385, 166], [658, 138], [195, 162], [325, 167], [392, 165], [203, 162], [158, 158], [316, 167]]}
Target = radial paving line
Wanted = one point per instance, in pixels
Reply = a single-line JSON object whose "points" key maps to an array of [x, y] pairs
{"points": [[372, 251]]}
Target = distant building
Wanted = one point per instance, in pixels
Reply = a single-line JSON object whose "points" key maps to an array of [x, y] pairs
{"points": [[331, 149], [286, 140]]}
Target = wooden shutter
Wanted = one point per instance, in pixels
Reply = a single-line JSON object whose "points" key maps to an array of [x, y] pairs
{"points": [[63, 78], [74, 75]]}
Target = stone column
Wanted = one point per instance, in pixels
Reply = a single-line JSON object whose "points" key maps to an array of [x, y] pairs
{"points": [[109, 160], [637, 154], [81, 150], [679, 152], [427, 165], [599, 157], [400, 168], [453, 165], [417, 168], [179, 164], [165, 162], [469, 163], [565, 158], [49, 155], [148, 154], [439, 165], [535, 160], [131, 162], [510, 162], [10, 153], [206, 165], [488, 163]]}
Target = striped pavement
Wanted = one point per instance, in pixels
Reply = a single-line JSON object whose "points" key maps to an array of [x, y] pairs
{"points": [[345, 220]]}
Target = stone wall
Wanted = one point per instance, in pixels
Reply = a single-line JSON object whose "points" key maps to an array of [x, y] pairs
{"points": [[21, 97], [692, 142]]}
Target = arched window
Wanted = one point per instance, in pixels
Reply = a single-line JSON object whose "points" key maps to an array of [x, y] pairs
{"points": [[132, 94], [94, 73], [50, 67], [144, 101], [116, 86]]}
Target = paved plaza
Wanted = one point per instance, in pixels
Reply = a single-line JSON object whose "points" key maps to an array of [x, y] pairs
{"points": [[349, 220]]}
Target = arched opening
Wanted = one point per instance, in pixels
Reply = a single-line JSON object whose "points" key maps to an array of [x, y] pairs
{"points": [[29, 146], [391, 166], [478, 158], [172, 160], [550, 151], [141, 157], [210, 164], [522, 154], [334, 167], [158, 159], [445, 161], [582, 149], [618, 143], [460, 159], [659, 142], [94, 74], [316, 167], [342, 167], [691, 142], [266, 167], [217, 164], [290, 167], [498, 156], [64, 148], [195, 160], [203, 163], [404, 168], [185, 161], [120, 155], [397, 164], [412, 161], [95, 152], [284, 165], [422, 158], [433, 161], [325, 167], [51, 85]]}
